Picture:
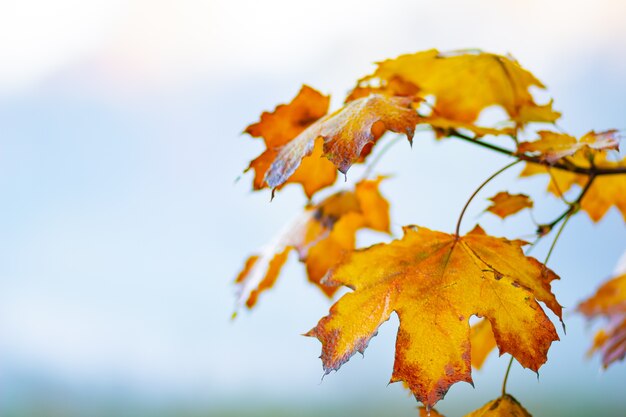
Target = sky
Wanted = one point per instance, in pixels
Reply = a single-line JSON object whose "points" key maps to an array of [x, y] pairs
{"points": [[126, 216]]}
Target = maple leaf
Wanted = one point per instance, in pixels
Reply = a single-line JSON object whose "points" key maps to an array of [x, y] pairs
{"points": [[434, 282], [505, 204], [463, 84], [345, 134], [552, 146], [321, 236], [609, 301], [279, 127], [483, 342], [505, 406], [605, 192]]}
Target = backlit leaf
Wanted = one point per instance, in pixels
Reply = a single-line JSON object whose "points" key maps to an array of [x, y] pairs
{"points": [[345, 134], [463, 83], [505, 204], [435, 282], [322, 235]]}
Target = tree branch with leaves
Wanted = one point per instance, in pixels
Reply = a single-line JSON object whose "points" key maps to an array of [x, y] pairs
{"points": [[434, 281]]}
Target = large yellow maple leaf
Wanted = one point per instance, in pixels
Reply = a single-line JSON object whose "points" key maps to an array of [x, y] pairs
{"points": [[435, 282], [463, 83], [321, 235]]}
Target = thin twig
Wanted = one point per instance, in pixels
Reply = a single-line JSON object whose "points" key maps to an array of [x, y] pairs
{"points": [[564, 166], [500, 171]]}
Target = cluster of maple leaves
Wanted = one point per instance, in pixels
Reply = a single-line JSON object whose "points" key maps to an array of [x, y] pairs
{"points": [[433, 281]]}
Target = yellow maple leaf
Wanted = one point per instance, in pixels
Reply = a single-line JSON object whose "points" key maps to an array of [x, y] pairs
{"points": [[505, 406], [463, 84], [435, 282], [505, 204], [322, 235]]}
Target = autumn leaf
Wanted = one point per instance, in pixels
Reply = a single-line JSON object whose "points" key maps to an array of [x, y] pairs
{"points": [[505, 204], [321, 235], [552, 146], [463, 84], [605, 192], [483, 342], [345, 134], [505, 406], [435, 282], [281, 126], [609, 302]]}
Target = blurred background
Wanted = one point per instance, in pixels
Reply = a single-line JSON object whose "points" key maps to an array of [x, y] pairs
{"points": [[122, 224]]}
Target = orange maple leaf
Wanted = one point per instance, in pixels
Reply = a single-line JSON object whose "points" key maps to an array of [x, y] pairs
{"points": [[609, 301], [552, 146], [321, 236], [463, 84], [505, 204], [345, 134], [279, 127], [435, 282]]}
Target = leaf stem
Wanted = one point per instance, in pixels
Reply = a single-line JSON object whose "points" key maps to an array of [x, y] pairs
{"points": [[480, 187], [573, 207], [506, 376], [558, 234], [564, 166]]}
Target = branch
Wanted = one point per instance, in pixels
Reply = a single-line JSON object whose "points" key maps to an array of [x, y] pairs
{"points": [[592, 171], [544, 229]]}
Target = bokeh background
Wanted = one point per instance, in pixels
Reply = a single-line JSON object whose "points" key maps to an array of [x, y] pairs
{"points": [[122, 224]]}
